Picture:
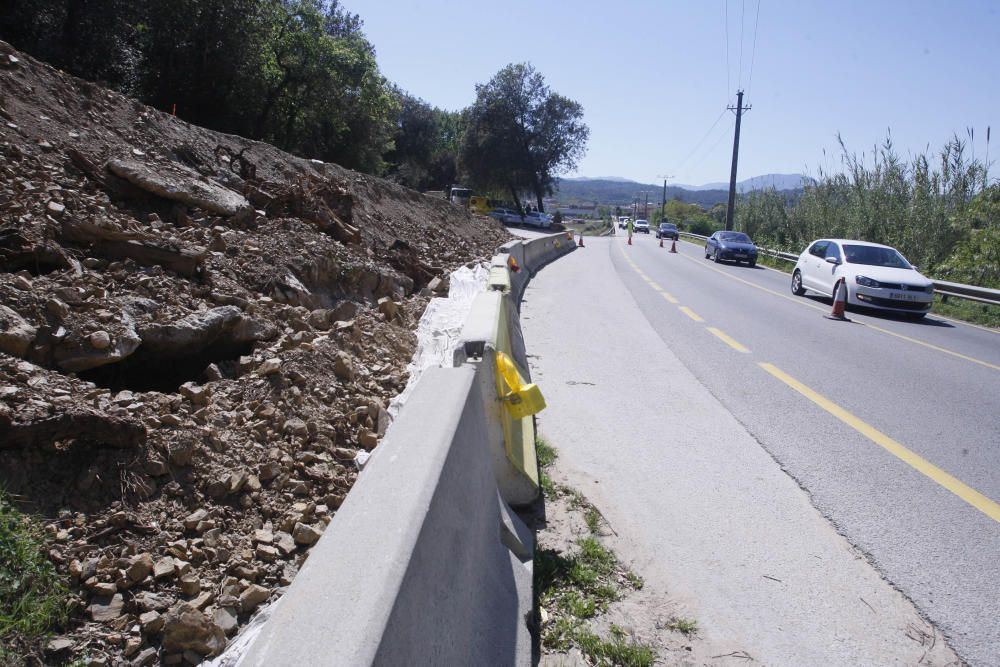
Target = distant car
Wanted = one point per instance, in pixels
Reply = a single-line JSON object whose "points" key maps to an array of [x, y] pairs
{"points": [[732, 246], [641, 226], [506, 215], [536, 219], [667, 230], [623, 222], [877, 276]]}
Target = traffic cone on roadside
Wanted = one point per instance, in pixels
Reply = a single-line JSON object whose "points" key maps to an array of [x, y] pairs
{"points": [[839, 302], [673, 245], [580, 243]]}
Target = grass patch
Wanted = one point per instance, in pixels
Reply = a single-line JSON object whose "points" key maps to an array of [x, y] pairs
{"points": [[545, 453], [619, 650], [685, 626], [32, 594], [968, 311], [593, 519], [574, 588]]}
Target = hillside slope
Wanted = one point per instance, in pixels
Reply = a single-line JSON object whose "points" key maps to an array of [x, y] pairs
{"points": [[197, 334]]}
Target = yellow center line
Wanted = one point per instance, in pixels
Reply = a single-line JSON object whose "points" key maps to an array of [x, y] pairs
{"points": [[728, 341], [801, 302], [670, 297], [690, 313], [985, 505]]}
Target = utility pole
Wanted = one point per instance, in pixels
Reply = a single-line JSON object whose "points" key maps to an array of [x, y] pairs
{"points": [[645, 207], [663, 202], [739, 109]]}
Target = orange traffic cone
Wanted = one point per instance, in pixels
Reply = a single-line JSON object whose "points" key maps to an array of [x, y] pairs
{"points": [[839, 302], [673, 246], [580, 244], [661, 241]]}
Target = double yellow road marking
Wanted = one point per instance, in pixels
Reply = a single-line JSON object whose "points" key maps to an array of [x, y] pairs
{"points": [[965, 492]]}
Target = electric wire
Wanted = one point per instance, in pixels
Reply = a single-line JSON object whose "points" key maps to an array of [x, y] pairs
{"points": [[725, 4], [701, 141], [739, 77], [711, 150], [753, 52]]}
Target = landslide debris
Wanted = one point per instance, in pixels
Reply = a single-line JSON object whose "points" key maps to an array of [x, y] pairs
{"points": [[198, 333]]}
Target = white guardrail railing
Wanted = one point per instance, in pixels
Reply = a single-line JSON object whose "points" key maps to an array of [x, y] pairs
{"points": [[425, 563], [957, 290]]}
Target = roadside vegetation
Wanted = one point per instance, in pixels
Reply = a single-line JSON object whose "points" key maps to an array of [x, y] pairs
{"points": [[575, 587], [33, 596], [938, 209]]}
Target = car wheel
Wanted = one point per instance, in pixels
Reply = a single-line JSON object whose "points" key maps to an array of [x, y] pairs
{"points": [[797, 288], [716, 258], [752, 263]]}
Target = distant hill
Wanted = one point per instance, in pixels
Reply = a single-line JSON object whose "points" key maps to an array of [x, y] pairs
{"points": [[617, 191], [777, 181]]}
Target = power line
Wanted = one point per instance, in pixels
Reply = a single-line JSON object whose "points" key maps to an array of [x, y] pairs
{"points": [[700, 142], [725, 4], [753, 52], [711, 150], [739, 77]]}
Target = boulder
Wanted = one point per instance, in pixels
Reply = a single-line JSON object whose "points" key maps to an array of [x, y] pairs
{"points": [[185, 628], [16, 335], [176, 182], [189, 334]]}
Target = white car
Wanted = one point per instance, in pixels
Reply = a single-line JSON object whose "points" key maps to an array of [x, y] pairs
{"points": [[536, 219], [877, 276], [506, 216]]}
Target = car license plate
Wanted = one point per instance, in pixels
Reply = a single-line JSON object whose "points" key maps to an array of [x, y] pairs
{"points": [[741, 255], [902, 296]]}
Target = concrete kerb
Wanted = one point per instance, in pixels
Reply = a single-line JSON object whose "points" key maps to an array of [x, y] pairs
{"points": [[418, 566]]}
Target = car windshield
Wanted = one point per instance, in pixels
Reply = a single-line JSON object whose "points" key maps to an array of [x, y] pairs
{"points": [[735, 237], [668, 226], [875, 256]]}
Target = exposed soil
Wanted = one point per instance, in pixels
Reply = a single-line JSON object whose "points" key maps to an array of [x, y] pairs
{"points": [[198, 333]]}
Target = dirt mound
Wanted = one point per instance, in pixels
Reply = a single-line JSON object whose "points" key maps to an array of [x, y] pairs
{"points": [[197, 334]]}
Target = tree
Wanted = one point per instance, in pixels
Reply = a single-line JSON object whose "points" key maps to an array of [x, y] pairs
{"points": [[520, 135], [425, 147]]}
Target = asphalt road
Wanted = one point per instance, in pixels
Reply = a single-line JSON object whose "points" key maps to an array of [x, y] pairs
{"points": [[891, 427]]}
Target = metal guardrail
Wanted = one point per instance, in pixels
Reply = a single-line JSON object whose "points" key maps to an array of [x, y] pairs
{"points": [[942, 287]]}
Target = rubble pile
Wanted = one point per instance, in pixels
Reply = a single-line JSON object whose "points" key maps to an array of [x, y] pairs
{"points": [[198, 334]]}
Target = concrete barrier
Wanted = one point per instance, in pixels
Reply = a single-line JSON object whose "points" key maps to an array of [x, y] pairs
{"points": [[425, 563], [415, 567]]}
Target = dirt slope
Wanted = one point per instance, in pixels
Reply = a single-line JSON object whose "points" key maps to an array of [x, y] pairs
{"points": [[197, 334]]}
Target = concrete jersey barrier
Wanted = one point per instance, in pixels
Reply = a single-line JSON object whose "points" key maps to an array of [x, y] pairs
{"points": [[415, 568], [425, 563]]}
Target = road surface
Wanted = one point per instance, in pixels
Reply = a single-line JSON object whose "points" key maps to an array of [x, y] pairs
{"points": [[735, 436]]}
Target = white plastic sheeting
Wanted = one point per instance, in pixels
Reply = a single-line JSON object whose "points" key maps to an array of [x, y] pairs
{"points": [[440, 326]]}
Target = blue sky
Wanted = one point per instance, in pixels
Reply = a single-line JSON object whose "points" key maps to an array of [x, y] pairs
{"points": [[652, 76]]}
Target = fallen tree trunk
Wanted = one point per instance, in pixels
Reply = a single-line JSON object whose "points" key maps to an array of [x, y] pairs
{"points": [[94, 427], [123, 244]]}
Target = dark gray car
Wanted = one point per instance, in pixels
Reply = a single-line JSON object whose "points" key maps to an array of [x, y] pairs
{"points": [[731, 246], [667, 230]]}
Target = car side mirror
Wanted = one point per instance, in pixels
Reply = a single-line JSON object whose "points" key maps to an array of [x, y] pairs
{"points": [[833, 260]]}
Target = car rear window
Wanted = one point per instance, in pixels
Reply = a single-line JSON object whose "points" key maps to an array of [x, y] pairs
{"points": [[875, 256]]}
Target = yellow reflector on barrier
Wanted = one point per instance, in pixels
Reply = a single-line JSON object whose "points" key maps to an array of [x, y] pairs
{"points": [[522, 400]]}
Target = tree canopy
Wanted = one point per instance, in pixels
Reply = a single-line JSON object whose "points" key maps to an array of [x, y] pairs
{"points": [[520, 135]]}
